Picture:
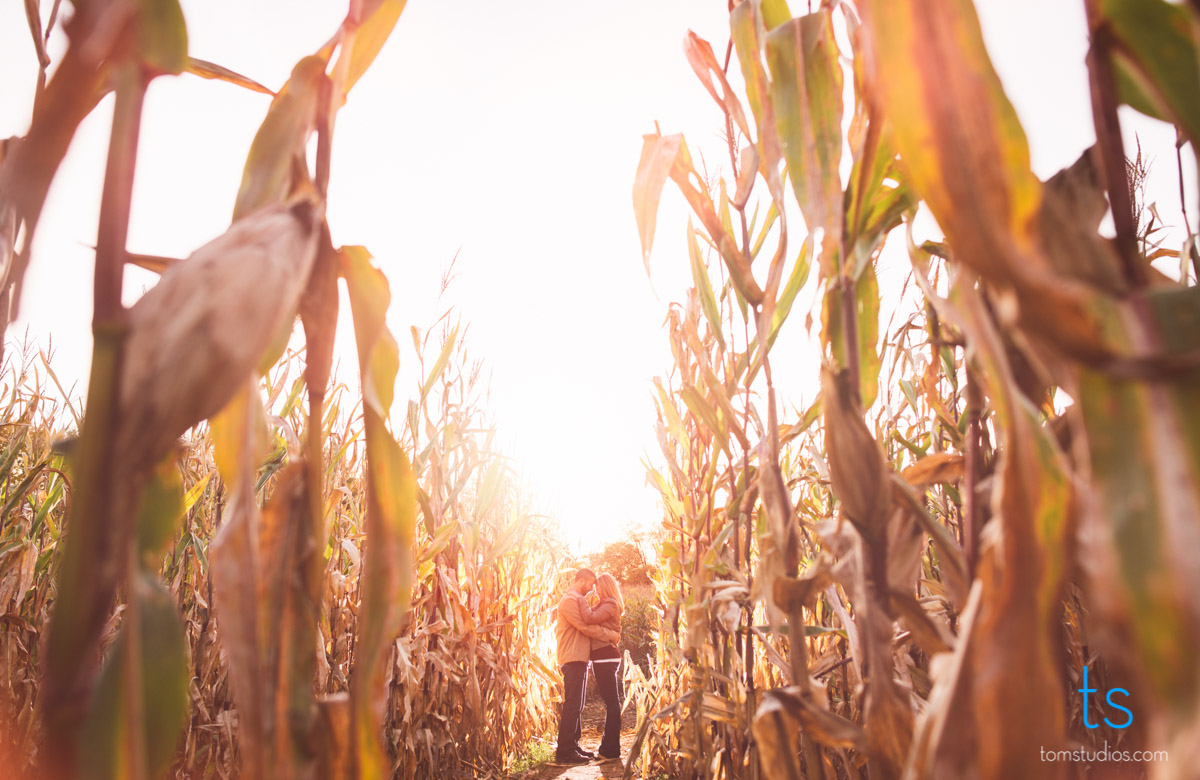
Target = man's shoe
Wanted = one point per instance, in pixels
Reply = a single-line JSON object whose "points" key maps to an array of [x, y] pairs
{"points": [[589, 755], [610, 756], [572, 760]]}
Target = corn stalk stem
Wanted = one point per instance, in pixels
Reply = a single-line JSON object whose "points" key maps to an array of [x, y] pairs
{"points": [[117, 197], [1112, 148], [99, 550], [109, 312], [973, 466], [326, 118]]}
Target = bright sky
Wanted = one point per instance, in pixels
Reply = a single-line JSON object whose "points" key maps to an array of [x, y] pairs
{"points": [[507, 132]]}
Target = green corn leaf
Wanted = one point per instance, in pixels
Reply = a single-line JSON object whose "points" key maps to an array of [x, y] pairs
{"points": [[160, 660], [698, 405], [162, 32], [771, 218], [866, 299], [489, 488], [439, 365], [161, 510], [269, 173], [1156, 58], [795, 281], [806, 89], [1138, 431], [774, 12], [745, 22], [708, 302]]}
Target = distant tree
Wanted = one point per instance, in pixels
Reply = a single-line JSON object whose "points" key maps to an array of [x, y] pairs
{"points": [[623, 560]]}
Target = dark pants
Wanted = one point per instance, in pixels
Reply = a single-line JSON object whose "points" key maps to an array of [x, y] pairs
{"points": [[609, 683], [574, 693]]}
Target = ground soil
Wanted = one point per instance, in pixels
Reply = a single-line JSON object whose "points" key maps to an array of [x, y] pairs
{"points": [[593, 728]]}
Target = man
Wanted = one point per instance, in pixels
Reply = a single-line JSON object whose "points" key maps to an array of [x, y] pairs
{"points": [[574, 647]]}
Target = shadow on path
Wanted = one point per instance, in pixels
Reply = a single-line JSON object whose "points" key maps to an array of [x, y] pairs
{"points": [[593, 726]]}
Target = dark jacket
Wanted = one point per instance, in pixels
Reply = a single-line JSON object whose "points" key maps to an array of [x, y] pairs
{"points": [[608, 615]]}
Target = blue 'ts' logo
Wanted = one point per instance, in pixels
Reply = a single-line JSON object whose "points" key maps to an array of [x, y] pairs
{"points": [[1085, 690]]}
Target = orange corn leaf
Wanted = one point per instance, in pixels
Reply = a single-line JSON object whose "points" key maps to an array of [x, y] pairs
{"points": [[939, 467], [377, 19], [704, 63]]}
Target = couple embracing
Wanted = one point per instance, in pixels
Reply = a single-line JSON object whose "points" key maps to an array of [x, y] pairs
{"points": [[589, 634]]}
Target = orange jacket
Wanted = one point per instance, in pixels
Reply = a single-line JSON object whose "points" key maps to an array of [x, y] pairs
{"points": [[576, 629]]}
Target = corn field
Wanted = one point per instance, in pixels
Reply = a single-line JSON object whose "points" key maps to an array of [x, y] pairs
{"points": [[912, 577], [471, 650], [214, 608], [228, 561]]}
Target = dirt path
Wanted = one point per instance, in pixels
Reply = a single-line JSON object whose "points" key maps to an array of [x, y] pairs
{"points": [[593, 727]]}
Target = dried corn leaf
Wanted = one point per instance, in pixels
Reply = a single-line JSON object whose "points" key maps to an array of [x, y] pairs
{"points": [[785, 712], [704, 64], [933, 469], [856, 465], [792, 593], [391, 513], [964, 152], [318, 315], [1014, 636], [238, 434], [210, 70], [28, 166], [664, 156]]}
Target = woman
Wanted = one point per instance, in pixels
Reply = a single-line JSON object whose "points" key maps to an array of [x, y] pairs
{"points": [[606, 661]]}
